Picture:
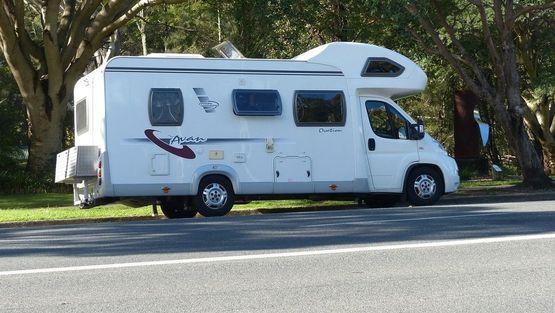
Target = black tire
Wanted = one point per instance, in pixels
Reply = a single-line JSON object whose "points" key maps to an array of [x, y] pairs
{"points": [[424, 186], [215, 196], [175, 207], [382, 201]]}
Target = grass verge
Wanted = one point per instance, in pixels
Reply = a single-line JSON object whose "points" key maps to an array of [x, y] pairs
{"points": [[55, 207], [58, 206]]}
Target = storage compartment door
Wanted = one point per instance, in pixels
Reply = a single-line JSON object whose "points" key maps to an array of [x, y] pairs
{"points": [[293, 175]]}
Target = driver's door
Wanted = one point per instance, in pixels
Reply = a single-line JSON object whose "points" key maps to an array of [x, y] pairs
{"points": [[389, 149]]}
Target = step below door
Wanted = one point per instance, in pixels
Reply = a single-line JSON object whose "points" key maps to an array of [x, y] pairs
{"points": [[293, 175]]}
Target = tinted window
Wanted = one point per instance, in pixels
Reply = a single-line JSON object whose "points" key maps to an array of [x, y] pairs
{"points": [[320, 108], [386, 121], [165, 107], [382, 67], [81, 121], [256, 102]]}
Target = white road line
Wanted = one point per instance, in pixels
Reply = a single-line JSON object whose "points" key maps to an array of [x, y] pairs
{"points": [[448, 243], [409, 219]]}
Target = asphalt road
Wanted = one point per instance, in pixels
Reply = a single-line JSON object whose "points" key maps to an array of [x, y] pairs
{"points": [[465, 258]]}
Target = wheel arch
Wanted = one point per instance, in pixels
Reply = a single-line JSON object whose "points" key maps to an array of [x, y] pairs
{"points": [[215, 169], [421, 165]]}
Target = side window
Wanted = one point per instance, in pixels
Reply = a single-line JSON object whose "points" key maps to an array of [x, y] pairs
{"points": [[81, 120], [256, 102], [382, 67], [165, 107], [385, 121], [319, 108]]}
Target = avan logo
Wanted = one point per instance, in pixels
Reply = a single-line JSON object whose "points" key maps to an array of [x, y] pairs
{"points": [[184, 151]]}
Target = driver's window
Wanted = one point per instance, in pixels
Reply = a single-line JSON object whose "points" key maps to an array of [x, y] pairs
{"points": [[386, 121]]}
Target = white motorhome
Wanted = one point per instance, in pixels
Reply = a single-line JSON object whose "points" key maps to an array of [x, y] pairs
{"points": [[196, 134]]}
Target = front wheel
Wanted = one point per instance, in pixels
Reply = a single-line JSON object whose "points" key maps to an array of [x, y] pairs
{"points": [[424, 186], [215, 196]]}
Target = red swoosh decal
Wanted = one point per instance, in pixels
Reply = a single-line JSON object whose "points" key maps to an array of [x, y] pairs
{"points": [[184, 152]]}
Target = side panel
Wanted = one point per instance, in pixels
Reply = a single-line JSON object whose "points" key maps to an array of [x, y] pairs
{"points": [[218, 137], [91, 89]]}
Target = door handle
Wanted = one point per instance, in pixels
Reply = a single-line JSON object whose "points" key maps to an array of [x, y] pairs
{"points": [[371, 144]]}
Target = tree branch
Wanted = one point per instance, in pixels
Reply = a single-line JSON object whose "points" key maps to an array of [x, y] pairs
{"points": [[77, 29], [422, 43], [531, 8], [27, 44], [110, 18], [7, 30], [486, 90], [20, 66], [466, 58], [130, 13], [52, 50], [492, 50], [65, 21]]}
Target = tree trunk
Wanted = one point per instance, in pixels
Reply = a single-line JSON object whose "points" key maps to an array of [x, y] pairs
{"points": [[529, 161], [141, 26], [539, 117], [549, 159], [45, 135], [532, 168]]}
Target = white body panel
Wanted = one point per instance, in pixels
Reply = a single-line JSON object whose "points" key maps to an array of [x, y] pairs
{"points": [[261, 155]]}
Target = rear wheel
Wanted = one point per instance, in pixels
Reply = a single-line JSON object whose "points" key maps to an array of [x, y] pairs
{"points": [[215, 196], [424, 186], [175, 207]]}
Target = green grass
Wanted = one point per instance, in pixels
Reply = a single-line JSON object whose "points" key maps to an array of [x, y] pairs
{"points": [[70, 213], [489, 183], [31, 201], [56, 206]]}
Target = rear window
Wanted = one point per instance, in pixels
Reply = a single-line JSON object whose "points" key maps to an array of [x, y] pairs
{"points": [[165, 107], [320, 108], [256, 102], [81, 120]]}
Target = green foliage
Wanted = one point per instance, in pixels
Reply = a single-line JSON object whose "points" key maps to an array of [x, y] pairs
{"points": [[13, 142], [13, 126], [185, 28], [15, 180]]}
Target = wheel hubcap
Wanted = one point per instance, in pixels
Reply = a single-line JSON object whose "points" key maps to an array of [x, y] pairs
{"points": [[214, 196], [425, 186]]}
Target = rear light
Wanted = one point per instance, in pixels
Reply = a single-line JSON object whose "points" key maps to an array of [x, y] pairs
{"points": [[99, 173]]}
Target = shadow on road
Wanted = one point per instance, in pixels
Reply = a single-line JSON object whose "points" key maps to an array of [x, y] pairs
{"points": [[299, 230]]}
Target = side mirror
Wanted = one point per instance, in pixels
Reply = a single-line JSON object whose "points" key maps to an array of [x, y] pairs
{"points": [[416, 131]]}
